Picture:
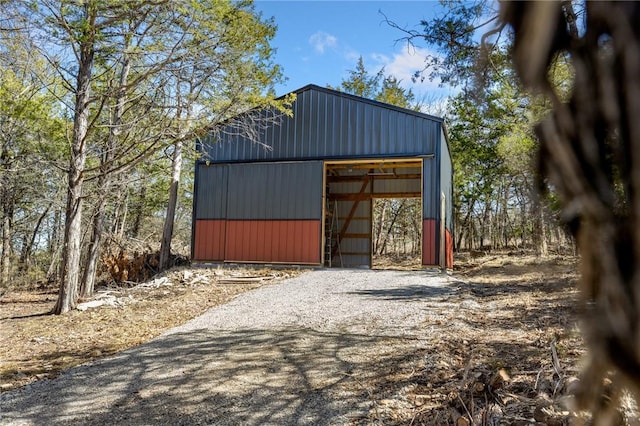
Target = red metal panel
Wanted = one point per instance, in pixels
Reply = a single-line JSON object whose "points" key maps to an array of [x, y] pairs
{"points": [[449, 249], [235, 239], [308, 251], [251, 248], [267, 245], [299, 241], [259, 240], [282, 241], [429, 248], [285, 239], [209, 239], [273, 246]]}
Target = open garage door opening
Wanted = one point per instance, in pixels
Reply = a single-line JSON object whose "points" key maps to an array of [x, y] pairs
{"points": [[354, 193]]}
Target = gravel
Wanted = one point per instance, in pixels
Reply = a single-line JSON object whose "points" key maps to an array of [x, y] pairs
{"points": [[302, 351]]}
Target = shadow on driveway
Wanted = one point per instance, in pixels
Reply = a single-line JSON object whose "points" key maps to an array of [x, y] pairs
{"points": [[225, 378], [407, 293]]}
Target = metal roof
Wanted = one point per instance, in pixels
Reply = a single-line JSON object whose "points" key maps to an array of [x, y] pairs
{"points": [[329, 124]]}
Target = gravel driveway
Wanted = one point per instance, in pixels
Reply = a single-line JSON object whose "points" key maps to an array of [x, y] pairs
{"points": [[300, 352]]}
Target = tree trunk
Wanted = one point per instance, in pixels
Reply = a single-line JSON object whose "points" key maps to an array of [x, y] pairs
{"points": [[417, 227], [68, 293], [524, 222], [471, 233], [466, 226], [543, 247], [116, 209], [390, 229], [139, 213], [539, 229], [505, 216], [6, 204], [53, 272], [27, 248], [460, 234], [463, 228], [379, 225], [167, 231], [5, 256], [104, 184], [93, 253], [125, 213], [55, 232]]}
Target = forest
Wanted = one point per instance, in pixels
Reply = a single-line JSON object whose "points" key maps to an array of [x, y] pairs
{"points": [[102, 104]]}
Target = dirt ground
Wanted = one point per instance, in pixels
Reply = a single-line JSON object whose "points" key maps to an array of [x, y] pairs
{"points": [[509, 364], [37, 345], [504, 350]]}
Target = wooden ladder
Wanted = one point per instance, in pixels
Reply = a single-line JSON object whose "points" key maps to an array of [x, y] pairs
{"points": [[332, 245]]}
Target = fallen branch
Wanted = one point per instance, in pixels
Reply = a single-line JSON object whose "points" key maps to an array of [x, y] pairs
{"points": [[464, 422], [245, 280]]}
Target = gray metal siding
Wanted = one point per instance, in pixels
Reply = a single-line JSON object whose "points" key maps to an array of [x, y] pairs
{"points": [[261, 191], [329, 124], [211, 191], [430, 189], [446, 177]]}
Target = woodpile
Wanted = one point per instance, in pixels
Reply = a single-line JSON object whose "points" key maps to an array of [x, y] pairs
{"points": [[126, 267]]}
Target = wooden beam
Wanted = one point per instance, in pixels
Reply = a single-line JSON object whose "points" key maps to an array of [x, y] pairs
{"points": [[352, 212], [360, 178], [367, 196], [323, 222], [368, 164], [397, 195]]}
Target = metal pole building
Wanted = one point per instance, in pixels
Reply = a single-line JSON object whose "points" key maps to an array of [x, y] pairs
{"points": [[326, 164]]}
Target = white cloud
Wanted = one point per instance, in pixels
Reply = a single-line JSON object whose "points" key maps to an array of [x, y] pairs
{"points": [[351, 55], [380, 58], [321, 40], [403, 66]]}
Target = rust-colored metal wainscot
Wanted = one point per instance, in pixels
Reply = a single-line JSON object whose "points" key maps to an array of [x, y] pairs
{"points": [[429, 248], [282, 241], [278, 241], [449, 248], [209, 240]]}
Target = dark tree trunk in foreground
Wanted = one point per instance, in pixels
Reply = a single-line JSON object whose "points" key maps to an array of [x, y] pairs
{"points": [[590, 151]]}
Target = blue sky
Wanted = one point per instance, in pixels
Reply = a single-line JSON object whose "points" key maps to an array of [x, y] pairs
{"points": [[320, 41]]}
